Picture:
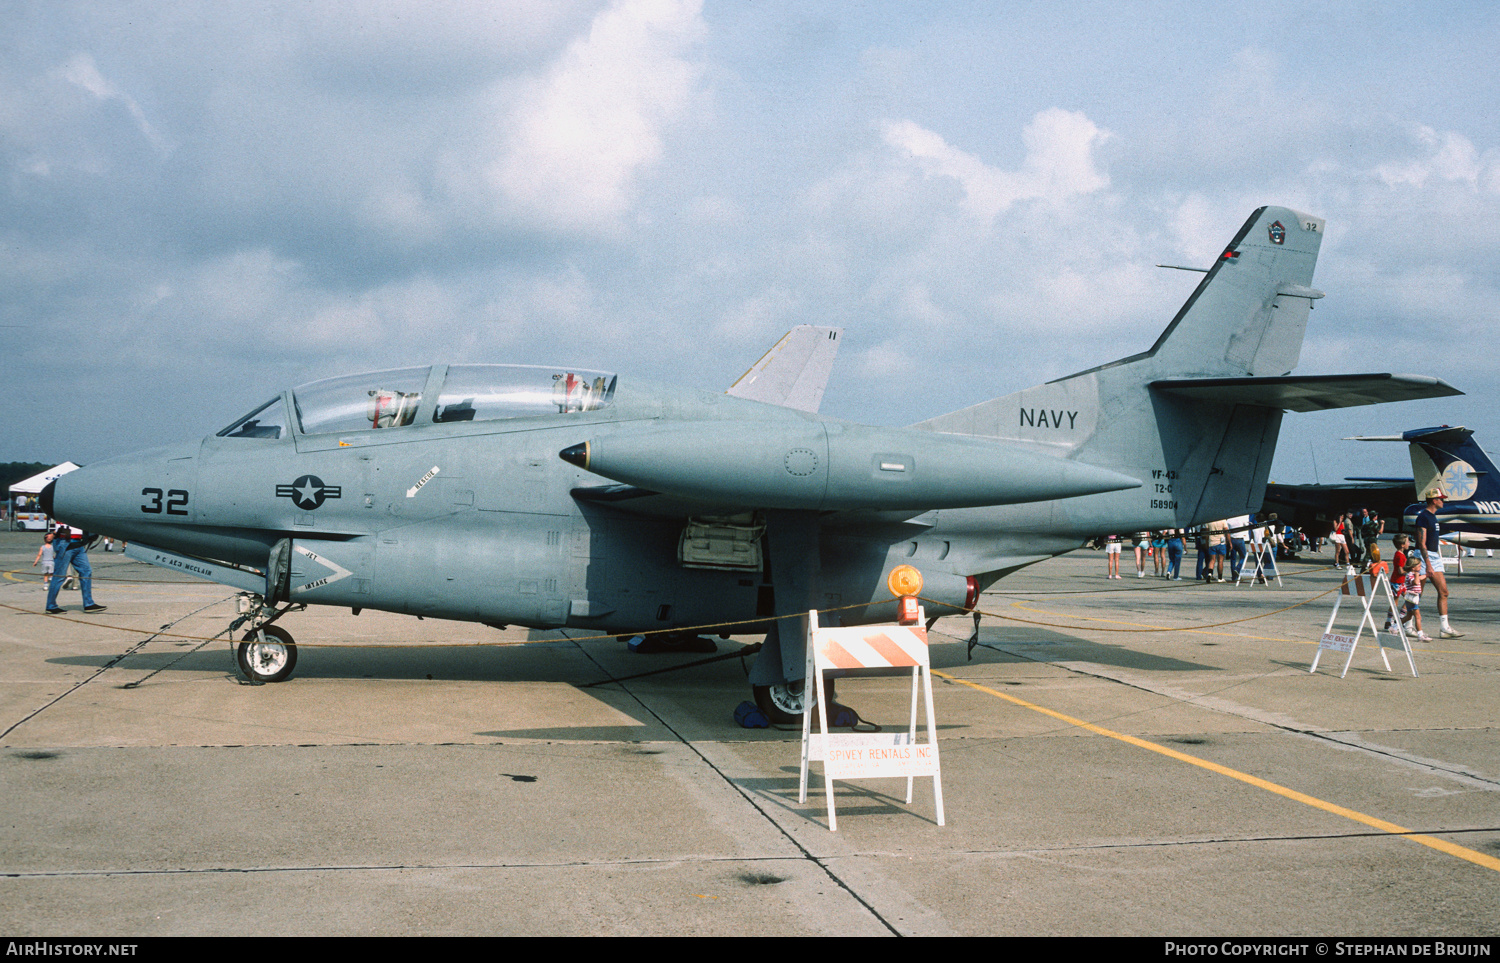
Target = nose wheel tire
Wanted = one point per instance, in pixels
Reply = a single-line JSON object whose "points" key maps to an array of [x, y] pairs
{"points": [[267, 655]]}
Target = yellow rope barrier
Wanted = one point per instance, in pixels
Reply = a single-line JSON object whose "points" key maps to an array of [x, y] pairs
{"points": [[957, 610], [1183, 628]]}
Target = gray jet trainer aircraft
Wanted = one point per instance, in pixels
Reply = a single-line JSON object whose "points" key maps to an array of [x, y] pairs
{"points": [[555, 498]]}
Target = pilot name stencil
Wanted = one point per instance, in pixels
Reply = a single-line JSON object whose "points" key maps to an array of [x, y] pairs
{"points": [[1047, 418]]}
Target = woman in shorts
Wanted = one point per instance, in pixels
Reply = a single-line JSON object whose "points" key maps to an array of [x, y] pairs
{"points": [[1142, 546], [1112, 552], [1340, 544]]}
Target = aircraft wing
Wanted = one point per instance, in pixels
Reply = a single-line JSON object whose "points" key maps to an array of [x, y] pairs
{"points": [[1309, 392], [794, 372]]}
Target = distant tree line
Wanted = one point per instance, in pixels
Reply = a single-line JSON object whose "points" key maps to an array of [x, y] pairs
{"points": [[14, 471]]}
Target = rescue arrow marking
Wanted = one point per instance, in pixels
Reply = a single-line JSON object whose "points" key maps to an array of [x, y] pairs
{"points": [[412, 491]]}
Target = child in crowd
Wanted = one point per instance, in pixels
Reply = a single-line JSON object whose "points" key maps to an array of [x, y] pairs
{"points": [[1398, 575], [45, 555], [1413, 606]]}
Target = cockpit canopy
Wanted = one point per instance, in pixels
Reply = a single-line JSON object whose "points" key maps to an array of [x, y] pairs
{"points": [[487, 392], [395, 399]]}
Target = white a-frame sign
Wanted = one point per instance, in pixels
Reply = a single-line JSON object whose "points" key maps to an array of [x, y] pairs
{"points": [[1379, 585], [863, 755], [1263, 554]]}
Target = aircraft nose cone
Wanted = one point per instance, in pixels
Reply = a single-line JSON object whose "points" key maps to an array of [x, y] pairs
{"points": [[46, 498], [576, 454], [116, 496]]}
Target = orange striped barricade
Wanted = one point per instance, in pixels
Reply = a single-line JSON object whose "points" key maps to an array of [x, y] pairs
{"points": [[865, 755], [1378, 584]]}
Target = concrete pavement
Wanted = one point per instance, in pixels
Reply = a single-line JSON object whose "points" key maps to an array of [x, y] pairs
{"points": [[429, 777]]}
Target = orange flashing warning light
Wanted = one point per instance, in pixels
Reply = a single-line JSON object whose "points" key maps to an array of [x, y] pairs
{"points": [[904, 580]]}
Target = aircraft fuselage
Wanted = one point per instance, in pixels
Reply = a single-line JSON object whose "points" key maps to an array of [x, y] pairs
{"points": [[483, 521]]}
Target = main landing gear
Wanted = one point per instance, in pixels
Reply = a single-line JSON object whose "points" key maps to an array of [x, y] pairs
{"points": [[784, 704]]}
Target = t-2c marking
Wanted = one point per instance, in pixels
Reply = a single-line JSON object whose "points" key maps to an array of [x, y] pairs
{"points": [[1164, 477]]}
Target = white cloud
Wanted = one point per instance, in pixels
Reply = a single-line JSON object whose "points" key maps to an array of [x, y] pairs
{"points": [[81, 71], [571, 144], [886, 360], [396, 208], [763, 314], [1447, 157], [1059, 162]]}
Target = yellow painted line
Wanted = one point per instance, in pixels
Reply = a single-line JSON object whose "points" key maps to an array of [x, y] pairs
{"points": [[1024, 605], [1441, 845], [1151, 625], [1021, 604]]}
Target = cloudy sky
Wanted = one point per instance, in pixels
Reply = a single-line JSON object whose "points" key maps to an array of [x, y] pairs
{"points": [[205, 202]]}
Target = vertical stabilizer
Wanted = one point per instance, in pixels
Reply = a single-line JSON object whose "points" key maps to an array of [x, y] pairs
{"points": [[1249, 314], [794, 372], [1450, 459], [1203, 458]]}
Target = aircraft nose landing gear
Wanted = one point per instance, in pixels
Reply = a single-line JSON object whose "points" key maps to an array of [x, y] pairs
{"points": [[267, 655]]}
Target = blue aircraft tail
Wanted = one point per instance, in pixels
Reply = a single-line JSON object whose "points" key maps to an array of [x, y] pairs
{"points": [[1449, 458]]}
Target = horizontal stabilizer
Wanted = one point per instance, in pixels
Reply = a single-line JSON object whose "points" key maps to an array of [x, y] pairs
{"points": [[1308, 392], [1441, 435]]}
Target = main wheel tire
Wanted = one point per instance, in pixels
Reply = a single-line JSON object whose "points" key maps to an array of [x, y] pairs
{"points": [[783, 704], [271, 658]]}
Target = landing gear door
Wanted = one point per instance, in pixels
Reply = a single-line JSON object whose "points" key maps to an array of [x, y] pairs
{"points": [[278, 572]]}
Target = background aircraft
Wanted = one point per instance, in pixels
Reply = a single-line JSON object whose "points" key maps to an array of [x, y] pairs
{"points": [[1314, 509], [559, 497], [1450, 459], [1445, 457]]}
